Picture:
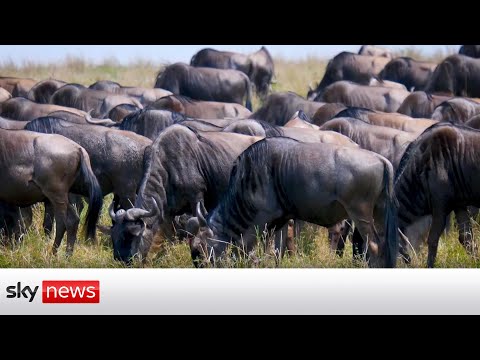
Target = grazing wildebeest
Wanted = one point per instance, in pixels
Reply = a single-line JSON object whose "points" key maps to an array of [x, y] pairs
{"points": [[420, 104], [301, 120], [386, 83], [26, 110], [409, 72], [263, 129], [8, 124], [4, 95], [145, 95], [391, 120], [278, 179], [258, 66], [17, 86], [474, 122], [351, 67], [181, 168], [207, 84], [470, 50], [327, 112], [14, 221], [98, 102], [370, 97], [119, 112], [278, 108], [388, 142], [456, 110], [372, 50], [43, 90], [116, 155], [150, 123], [39, 167], [457, 75], [200, 109], [439, 173]]}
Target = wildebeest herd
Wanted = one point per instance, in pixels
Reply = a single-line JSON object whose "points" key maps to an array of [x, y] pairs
{"points": [[380, 152]]}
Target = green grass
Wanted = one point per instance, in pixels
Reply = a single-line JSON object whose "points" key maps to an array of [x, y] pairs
{"points": [[313, 250]]}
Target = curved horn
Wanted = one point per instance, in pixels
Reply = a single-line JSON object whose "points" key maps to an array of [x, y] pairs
{"points": [[200, 216], [111, 212], [205, 212], [136, 213], [104, 122]]}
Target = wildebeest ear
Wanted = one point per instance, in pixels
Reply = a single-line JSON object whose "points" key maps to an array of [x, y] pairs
{"points": [[136, 228], [192, 226]]}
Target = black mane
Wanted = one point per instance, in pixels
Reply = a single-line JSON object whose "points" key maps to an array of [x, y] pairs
{"points": [[353, 112]]}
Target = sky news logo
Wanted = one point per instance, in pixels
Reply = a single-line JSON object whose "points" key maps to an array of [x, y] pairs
{"points": [[58, 292]]}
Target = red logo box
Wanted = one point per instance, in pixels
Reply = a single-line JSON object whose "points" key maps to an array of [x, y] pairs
{"points": [[70, 292]]}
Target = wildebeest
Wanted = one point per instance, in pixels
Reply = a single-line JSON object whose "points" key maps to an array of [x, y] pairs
{"points": [[370, 97], [278, 179], [456, 110], [4, 95], [278, 108], [26, 110], [43, 90], [116, 156], [146, 96], [391, 120], [439, 173], [420, 104], [150, 123], [388, 142], [119, 112], [17, 86], [409, 72], [386, 83], [8, 124], [301, 120], [207, 84], [258, 66], [470, 50], [39, 167], [373, 50], [200, 109], [181, 168], [327, 112], [457, 75], [474, 122], [98, 102], [14, 221], [352, 67]]}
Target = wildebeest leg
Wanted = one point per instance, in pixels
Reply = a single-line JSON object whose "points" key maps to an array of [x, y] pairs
{"points": [[291, 237], [60, 211], [465, 232], [77, 202], [438, 225], [357, 244], [337, 236], [71, 222], [48, 218], [364, 225]]}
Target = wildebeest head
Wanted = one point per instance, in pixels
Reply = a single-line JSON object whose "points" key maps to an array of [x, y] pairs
{"points": [[130, 233], [262, 71], [203, 245]]}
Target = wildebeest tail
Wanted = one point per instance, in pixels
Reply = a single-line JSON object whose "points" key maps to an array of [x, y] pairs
{"points": [[391, 216], [95, 195], [248, 102]]}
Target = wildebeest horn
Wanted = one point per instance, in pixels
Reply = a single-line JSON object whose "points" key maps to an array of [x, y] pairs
{"points": [[200, 214], [136, 213], [111, 212], [104, 122]]}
